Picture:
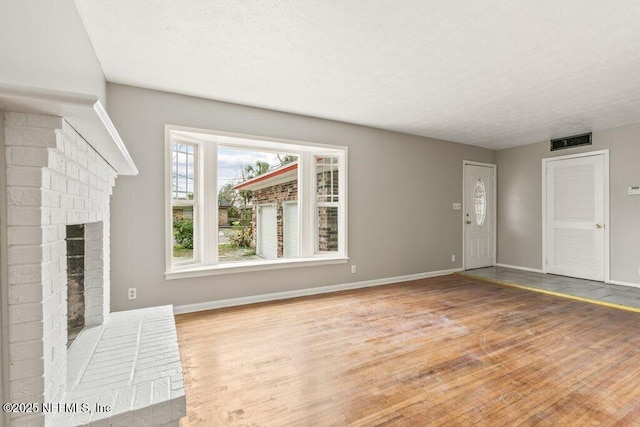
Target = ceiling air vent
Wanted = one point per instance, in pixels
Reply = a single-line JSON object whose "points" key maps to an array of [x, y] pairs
{"points": [[571, 141]]}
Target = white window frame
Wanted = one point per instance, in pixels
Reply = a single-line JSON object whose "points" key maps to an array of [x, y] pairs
{"points": [[206, 225]]}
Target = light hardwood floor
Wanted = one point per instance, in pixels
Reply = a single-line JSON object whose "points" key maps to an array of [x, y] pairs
{"points": [[443, 351]]}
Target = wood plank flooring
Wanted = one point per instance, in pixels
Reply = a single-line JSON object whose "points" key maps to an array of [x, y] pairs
{"points": [[443, 351]]}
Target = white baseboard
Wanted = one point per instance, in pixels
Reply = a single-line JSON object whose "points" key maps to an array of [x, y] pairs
{"points": [[517, 267], [232, 302], [621, 283]]}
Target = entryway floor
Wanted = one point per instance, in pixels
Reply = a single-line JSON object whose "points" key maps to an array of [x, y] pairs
{"points": [[597, 292]]}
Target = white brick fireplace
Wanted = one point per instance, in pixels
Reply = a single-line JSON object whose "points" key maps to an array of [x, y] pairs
{"points": [[59, 159], [54, 178]]}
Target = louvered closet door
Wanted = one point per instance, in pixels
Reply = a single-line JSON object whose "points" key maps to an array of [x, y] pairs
{"points": [[575, 217]]}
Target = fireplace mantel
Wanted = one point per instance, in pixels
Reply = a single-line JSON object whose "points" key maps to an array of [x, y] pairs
{"points": [[84, 113]]}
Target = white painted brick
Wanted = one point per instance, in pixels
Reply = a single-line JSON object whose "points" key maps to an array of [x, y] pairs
{"points": [[84, 191], [23, 369], [24, 215], [83, 161], [24, 235], [24, 176], [93, 157], [58, 248], [20, 294], [25, 255], [49, 270], [26, 332], [93, 320], [50, 198], [52, 233], [94, 194], [24, 196], [83, 147], [25, 273], [71, 150], [69, 131], [13, 118], [94, 301], [46, 288], [93, 253], [27, 156], [84, 217], [57, 161], [44, 121], [30, 387], [73, 172], [82, 418], [73, 217], [62, 264], [47, 327], [37, 420], [66, 201], [58, 216], [26, 350], [93, 263], [29, 137], [46, 216], [93, 292], [90, 205], [59, 282], [78, 203], [58, 182]]}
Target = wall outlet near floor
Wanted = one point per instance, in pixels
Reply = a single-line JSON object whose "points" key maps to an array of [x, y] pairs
{"points": [[133, 293], [353, 268], [453, 258]]}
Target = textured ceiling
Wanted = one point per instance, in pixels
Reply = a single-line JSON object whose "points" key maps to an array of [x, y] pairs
{"points": [[490, 73]]}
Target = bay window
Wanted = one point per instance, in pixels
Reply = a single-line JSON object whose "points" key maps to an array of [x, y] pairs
{"points": [[239, 203]]}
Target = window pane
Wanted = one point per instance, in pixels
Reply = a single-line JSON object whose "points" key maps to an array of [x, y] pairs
{"points": [[182, 233], [480, 201], [327, 179], [257, 205], [183, 170], [327, 218]]}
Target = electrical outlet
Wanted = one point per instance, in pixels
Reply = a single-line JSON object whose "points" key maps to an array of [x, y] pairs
{"points": [[453, 258], [457, 206], [353, 268], [133, 294]]}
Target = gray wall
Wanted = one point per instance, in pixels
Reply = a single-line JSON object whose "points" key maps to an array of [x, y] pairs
{"points": [[401, 189], [44, 45], [520, 201]]}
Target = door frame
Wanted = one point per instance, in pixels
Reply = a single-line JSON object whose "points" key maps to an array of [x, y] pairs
{"points": [[466, 163], [545, 161]]}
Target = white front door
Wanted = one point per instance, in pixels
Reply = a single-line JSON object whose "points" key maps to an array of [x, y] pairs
{"points": [[290, 229], [267, 232], [575, 217], [479, 216]]}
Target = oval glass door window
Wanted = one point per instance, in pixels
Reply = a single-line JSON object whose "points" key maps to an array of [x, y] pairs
{"points": [[480, 201]]}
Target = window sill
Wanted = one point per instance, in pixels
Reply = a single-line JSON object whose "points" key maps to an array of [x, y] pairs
{"points": [[243, 267]]}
